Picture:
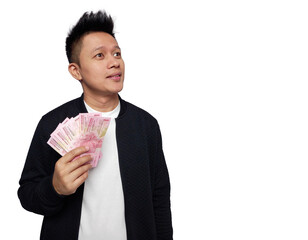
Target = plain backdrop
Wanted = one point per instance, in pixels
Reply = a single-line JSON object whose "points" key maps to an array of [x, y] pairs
{"points": [[227, 81]]}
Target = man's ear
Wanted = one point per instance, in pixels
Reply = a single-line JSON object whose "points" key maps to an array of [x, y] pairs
{"points": [[74, 70]]}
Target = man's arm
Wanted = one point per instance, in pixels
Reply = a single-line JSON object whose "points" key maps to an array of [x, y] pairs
{"points": [[161, 198], [43, 185]]}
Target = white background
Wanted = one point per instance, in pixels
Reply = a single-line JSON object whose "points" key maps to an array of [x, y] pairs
{"points": [[227, 81]]}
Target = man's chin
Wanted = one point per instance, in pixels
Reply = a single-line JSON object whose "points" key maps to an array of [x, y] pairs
{"points": [[117, 89], [113, 91]]}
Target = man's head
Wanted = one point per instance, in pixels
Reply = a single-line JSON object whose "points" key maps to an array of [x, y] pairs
{"points": [[89, 22], [95, 56]]}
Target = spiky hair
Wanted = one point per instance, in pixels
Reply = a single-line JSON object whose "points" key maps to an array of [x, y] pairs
{"points": [[89, 22]]}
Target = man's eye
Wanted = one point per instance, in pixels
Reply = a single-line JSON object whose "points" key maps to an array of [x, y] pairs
{"points": [[117, 54], [99, 55]]}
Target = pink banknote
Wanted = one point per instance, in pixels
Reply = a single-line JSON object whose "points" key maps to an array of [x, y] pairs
{"points": [[86, 129]]}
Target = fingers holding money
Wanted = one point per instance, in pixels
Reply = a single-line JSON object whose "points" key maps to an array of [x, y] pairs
{"points": [[86, 129], [74, 153], [69, 175]]}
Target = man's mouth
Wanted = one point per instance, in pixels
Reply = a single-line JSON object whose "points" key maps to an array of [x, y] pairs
{"points": [[115, 76]]}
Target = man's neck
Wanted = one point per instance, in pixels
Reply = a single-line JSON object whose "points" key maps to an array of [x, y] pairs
{"points": [[102, 103]]}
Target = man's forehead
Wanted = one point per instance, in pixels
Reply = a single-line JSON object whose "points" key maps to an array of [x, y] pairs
{"points": [[99, 41], [102, 47]]}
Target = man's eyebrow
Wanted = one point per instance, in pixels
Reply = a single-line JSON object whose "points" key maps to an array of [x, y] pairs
{"points": [[103, 47]]}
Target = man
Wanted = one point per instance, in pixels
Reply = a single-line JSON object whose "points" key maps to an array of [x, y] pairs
{"points": [[127, 196]]}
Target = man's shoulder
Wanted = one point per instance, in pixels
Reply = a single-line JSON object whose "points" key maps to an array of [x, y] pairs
{"points": [[134, 109], [67, 110], [138, 114]]}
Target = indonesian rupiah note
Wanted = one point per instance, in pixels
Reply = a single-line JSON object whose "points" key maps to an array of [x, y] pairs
{"points": [[86, 129]]}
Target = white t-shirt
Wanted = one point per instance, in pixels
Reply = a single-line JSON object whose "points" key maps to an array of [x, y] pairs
{"points": [[102, 213]]}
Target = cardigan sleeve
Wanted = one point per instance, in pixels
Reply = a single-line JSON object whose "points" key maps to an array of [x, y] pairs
{"points": [[36, 192], [161, 196]]}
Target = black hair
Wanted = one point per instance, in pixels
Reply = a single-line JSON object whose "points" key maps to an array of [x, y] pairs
{"points": [[89, 22]]}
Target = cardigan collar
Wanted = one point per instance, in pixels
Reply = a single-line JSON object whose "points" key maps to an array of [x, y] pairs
{"points": [[83, 108]]}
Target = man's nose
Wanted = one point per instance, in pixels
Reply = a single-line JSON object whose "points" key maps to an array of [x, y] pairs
{"points": [[113, 62]]}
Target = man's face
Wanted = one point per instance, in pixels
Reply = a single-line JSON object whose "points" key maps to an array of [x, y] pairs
{"points": [[101, 67]]}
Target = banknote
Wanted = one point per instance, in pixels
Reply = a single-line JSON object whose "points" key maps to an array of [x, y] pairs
{"points": [[86, 129]]}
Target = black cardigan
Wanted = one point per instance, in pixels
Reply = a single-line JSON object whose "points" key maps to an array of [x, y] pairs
{"points": [[143, 171]]}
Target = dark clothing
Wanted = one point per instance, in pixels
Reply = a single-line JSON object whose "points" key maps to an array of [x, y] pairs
{"points": [[143, 171]]}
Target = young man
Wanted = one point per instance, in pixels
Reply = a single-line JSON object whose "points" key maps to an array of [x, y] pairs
{"points": [[127, 196]]}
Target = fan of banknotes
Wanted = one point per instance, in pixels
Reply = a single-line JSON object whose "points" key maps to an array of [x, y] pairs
{"points": [[86, 129]]}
